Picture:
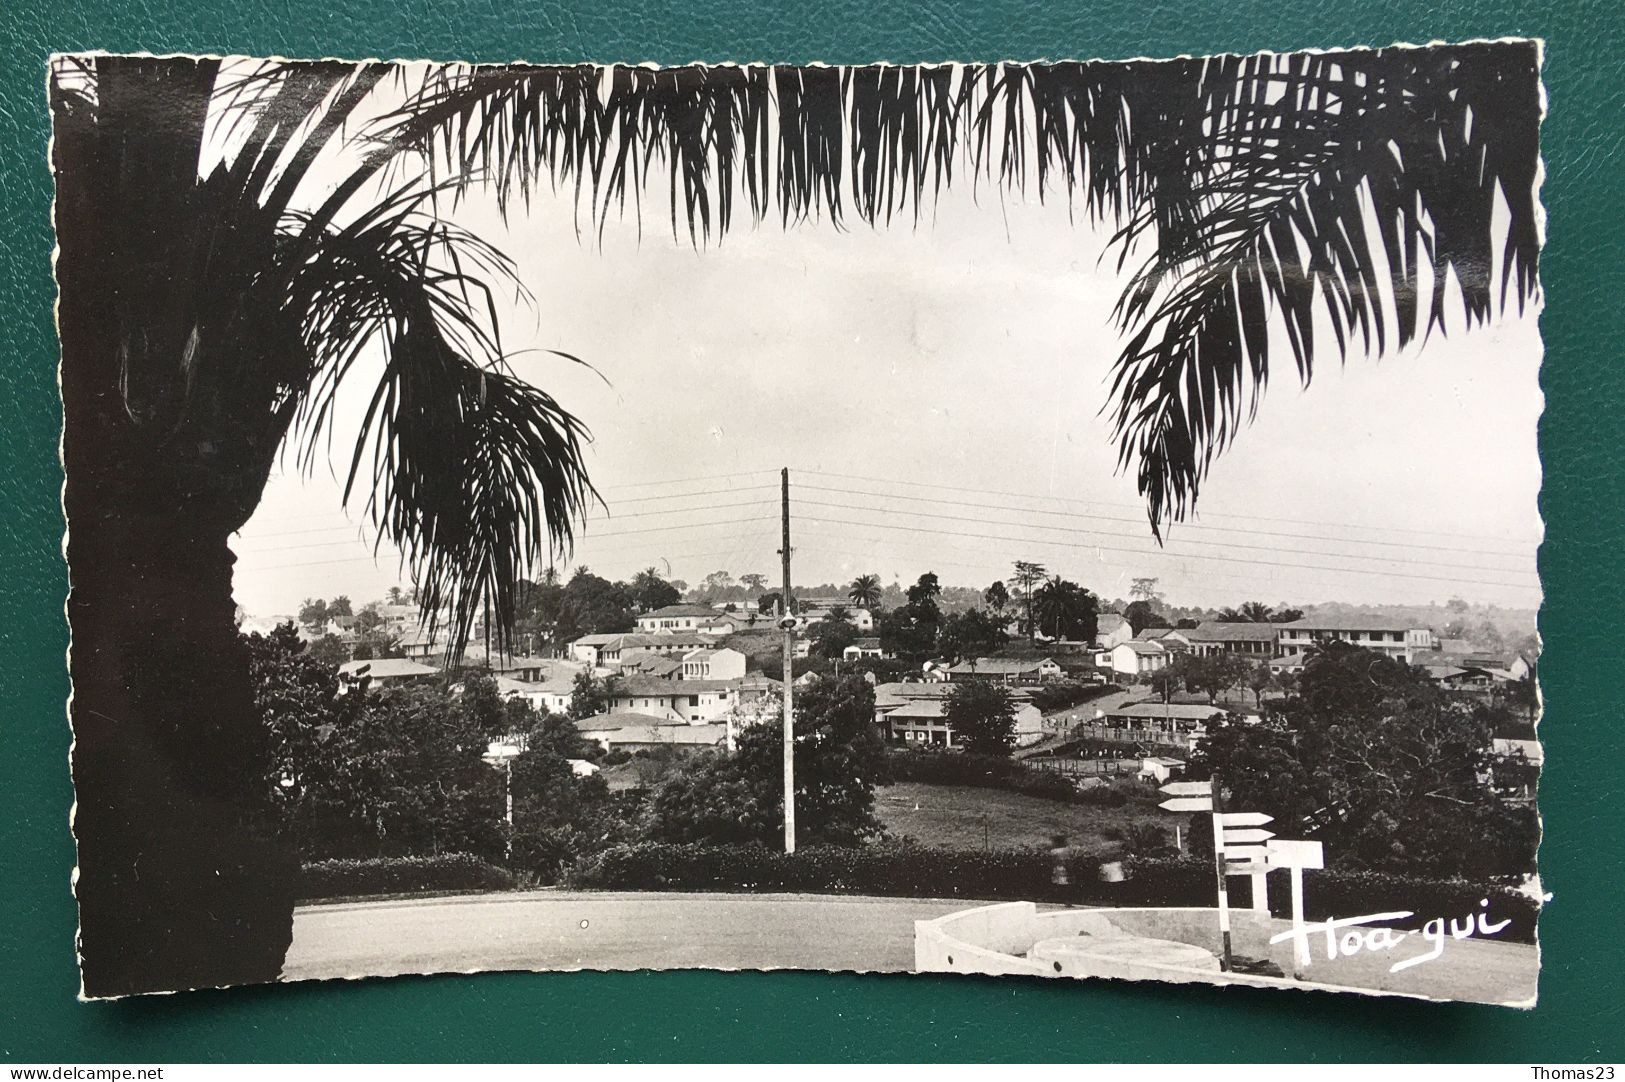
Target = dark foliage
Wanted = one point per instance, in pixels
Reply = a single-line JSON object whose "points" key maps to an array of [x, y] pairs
{"points": [[739, 797], [401, 875]]}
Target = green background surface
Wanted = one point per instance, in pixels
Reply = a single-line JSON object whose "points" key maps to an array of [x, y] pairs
{"points": [[697, 1015]]}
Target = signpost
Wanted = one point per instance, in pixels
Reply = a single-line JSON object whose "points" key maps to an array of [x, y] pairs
{"points": [[1197, 796], [1297, 856]]}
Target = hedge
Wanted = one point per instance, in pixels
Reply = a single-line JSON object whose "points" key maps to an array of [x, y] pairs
{"points": [[907, 870], [888, 869], [401, 875]]}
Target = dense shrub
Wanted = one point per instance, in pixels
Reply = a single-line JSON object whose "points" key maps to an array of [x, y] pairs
{"points": [[401, 875], [906, 870], [889, 869]]}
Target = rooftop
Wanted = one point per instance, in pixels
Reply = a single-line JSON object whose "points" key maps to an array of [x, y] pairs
{"points": [[671, 611], [1220, 631], [1349, 623], [1146, 634]]}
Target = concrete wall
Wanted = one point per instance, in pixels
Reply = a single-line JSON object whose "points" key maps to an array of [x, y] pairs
{"points": [[992, 940]]}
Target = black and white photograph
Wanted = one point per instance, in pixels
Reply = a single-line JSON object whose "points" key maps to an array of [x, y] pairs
{"points": [[1024, 519]]}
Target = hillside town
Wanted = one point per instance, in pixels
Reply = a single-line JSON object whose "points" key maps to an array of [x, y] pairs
{"points": [[1095, 688]]}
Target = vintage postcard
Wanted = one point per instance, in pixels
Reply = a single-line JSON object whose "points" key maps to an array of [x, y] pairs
{"points": [[1122, 475]]}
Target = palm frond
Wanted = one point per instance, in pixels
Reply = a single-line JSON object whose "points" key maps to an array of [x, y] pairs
{"points": [[474, 474], [1271, 191]]}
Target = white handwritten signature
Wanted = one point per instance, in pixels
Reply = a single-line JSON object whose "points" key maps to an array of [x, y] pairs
{"points": [[1346, 936]]}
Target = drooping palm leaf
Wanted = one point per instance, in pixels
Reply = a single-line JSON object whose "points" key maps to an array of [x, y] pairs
{"points": [[475, 474]]}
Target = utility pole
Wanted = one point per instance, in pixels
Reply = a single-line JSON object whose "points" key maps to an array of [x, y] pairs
{"points": [[787, 623]]}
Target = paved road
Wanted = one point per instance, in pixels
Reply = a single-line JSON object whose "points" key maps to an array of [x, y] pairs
{"points": [[601, 930]]}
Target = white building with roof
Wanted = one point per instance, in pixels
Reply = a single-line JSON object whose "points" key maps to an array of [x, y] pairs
{"points": [[1393, 638]]}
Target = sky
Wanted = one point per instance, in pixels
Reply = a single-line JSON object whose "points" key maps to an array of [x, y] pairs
{"points": [[936, 391]]}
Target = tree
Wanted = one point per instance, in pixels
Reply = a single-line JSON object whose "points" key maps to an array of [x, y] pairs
{"points": [[1145, 590], [970, 634], [1260, 678], [1387, 770], [177, 400], [1214, 674], [997, 597], [727, 799], [831, 636], [1252, 612], [395, 596], [922, 596], [330, 650], [313, 613], [865, 592], [481, 706], [557, 816], [298, 701], [1141, 615], [1066, 610], [1168, 679], [1025, 578], [650, 592], [754, 584], [768, 603], [588, 696], [716, 585], [340, 607], [1285, 615], [982, 716]]}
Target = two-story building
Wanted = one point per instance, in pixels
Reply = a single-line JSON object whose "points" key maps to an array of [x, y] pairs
{"points": [[917, 714], [692, 618], [1392, 638], [693, 701], [1135, 657]]}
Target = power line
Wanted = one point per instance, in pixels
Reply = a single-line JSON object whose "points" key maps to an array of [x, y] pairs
{"points": [[632, 514], [1196, 541], [1215, 514], [1191, 556], [1140, 522]]}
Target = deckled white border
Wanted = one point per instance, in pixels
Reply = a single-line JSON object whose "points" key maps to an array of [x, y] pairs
{"points": [[1538, 302]]}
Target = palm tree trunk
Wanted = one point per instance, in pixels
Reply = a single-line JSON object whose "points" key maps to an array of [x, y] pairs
{"points": [[182, 882]]}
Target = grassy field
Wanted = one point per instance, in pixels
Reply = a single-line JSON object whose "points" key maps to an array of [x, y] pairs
{"points": [[963, 817]]}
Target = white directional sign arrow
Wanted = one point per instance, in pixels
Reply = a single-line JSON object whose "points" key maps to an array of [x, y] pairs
{"points": [[1245, 852], [1188, 788], [1188, 804], [1241, 837], [1245, 819]]}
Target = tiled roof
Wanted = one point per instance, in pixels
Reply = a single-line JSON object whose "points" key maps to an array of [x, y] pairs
{"points": [[1146, 634], [600, 723], [657, 687], [1148, 648], [1348, 623], [1219, 631], [671, 611]]}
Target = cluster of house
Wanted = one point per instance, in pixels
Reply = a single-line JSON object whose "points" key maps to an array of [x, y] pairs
{"points": [[677, 682], [1454, 663]]}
